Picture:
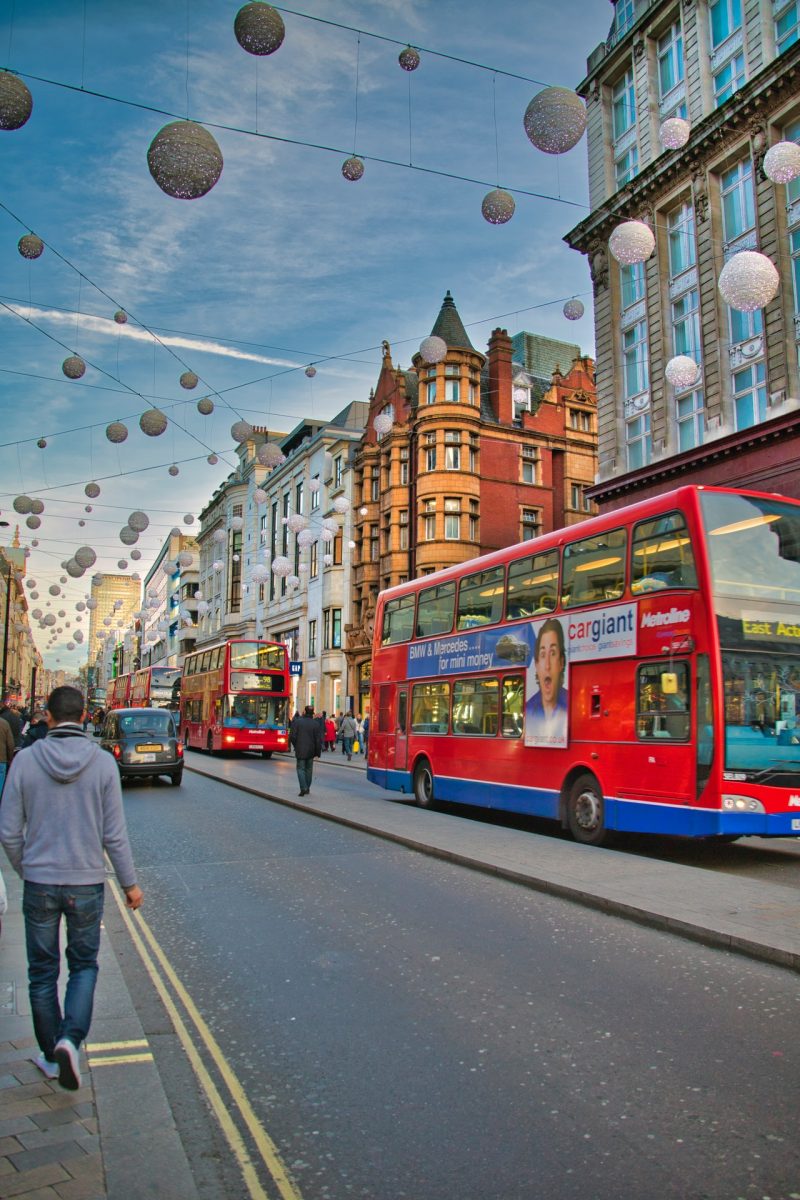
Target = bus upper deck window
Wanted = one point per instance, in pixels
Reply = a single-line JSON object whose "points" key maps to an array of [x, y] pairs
{"points": [[661, 555], [532, 585], [594, 569], [435, 610]]}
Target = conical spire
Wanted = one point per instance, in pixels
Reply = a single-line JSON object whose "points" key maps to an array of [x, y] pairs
{"points": [[449, 326]]}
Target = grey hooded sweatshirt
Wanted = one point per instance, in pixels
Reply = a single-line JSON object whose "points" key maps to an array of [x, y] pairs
{"points": [[62, 807]]}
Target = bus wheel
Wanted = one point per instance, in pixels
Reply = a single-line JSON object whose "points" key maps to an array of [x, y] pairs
{"points": [[266, 754], [585, 812], [423, 784], [210, 743]]}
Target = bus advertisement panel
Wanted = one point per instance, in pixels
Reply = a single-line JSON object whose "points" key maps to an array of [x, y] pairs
{"points": [[156, 687], [639, 671], [235, 696], [118, 692]]}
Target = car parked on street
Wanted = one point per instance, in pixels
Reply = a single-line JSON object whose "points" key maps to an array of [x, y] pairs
{"points": [[144, 741]]}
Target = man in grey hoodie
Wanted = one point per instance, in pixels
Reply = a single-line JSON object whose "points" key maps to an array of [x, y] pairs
{"points": [[62, 807]]}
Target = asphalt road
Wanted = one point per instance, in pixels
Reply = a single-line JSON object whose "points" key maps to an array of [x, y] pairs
{"points": [[404, 1027]]}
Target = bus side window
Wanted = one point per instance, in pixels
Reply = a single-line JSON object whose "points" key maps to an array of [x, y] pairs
{"points": [[513, 706], [532, 585], [661, 555], [435, 610], [594, 568]]}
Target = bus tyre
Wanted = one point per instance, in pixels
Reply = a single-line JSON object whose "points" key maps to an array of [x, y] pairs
{"points": [[586, 812], [423, 784]]}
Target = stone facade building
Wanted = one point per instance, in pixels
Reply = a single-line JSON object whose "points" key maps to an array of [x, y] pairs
{"points": [[482, 453], [730, 68]]}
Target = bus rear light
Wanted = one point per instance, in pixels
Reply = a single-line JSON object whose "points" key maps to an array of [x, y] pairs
{"points": [[741, 804]]}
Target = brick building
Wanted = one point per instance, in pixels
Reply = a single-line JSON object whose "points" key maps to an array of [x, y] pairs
{"points": [[484, 452]]}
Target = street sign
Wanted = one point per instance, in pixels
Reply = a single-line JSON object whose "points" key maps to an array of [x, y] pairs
{"points": [[295, 667]]}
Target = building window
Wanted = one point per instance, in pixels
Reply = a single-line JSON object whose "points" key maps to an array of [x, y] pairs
{"points": [[404, 465], [315, 496], [452, 518], [452, 450], [626, 167], [298, 498], [529, 464], [738, 203], [430, 392], [581, 422], [430, 458], [680, 235], [632, 284], [689, 414], [312, 639], [623, 16], [670, 60], [338, 470], [745, 325], [402, 521], [530, 519], [729, 79], [726, 19], [236, 511], [686, 325], [313, 563], [623, 105], [429, 519], [473, 521], [794, 242], [634, 346], [638, 442], [750, 395], [332, 629], [786, 27], [451, 390], [376, 484]]}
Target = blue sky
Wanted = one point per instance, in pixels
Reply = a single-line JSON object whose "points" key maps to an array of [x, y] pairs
{"points": [[284, 262]]}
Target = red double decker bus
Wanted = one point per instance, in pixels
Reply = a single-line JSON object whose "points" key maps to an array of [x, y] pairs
{"points": [[235, 696], [118, 692], [639, 671], [156, 687]]}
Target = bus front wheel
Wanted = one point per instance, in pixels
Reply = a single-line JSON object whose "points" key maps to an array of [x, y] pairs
{"points": [[423, 784], [586, 812]]}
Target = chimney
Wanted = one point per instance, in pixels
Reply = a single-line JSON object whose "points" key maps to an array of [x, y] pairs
{"points": [[500, 351]]}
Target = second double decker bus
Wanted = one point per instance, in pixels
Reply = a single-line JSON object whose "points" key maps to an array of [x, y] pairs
{"points": [[235, 696], [639, 671], [118, 692], [156, 687]]}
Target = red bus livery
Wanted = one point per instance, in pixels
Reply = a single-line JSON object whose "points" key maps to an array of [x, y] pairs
{"points": [[235, 696], [156, 687], [118, 692], [639, 671]]}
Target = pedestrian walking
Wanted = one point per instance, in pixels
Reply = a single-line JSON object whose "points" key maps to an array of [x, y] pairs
{"points": [[365, 735], [61, 810], [37, 729], [330, 734], [358, 744], [323, 720], [7, 749], [305, 736], [348, 728]]}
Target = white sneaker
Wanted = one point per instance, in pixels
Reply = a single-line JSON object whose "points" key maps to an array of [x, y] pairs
{"points": [[66, 1055], [48, 1069]]}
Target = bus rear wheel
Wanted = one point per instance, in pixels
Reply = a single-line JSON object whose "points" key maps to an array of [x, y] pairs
{"points": [[586, 812], [423, 784]]}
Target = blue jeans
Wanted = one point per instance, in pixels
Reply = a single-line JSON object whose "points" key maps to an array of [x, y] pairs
{"points": [[305, 771], [347, 746], [43, 905]]}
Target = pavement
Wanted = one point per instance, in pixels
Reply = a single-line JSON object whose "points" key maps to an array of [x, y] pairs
{"points": [[116, 1138]]}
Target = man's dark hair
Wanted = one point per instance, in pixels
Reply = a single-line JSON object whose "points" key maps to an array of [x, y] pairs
{"points": [[309, 710], [65, 704]]}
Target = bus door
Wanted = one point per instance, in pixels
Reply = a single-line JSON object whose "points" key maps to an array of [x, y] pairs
{"points": [[663, 763], [401, 730]]}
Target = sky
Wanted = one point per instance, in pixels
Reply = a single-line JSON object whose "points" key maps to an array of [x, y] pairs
{"points": [[284, 263]]}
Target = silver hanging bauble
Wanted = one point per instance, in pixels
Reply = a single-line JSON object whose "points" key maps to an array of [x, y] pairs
{"points": [[184, 160], [409, 58], [205, 406], [259, 28], [73, 367], [352, 168], [115, 432], [555, 120], [153, 422], [16, 101], [188, 380], [30, 246], [498, 207]]}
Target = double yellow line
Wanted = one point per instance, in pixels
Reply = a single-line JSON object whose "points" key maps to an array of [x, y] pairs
{"points": [[161, 972]]}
